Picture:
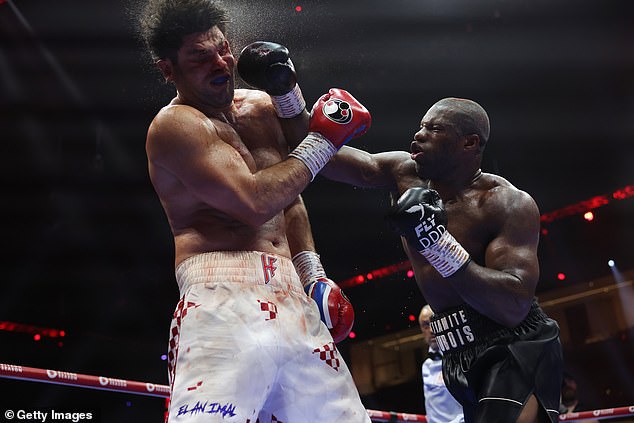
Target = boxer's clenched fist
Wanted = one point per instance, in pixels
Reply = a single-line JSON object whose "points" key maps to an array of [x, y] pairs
{"points": [[267, 66], [335, 119], [334, 307], [420, 217]]}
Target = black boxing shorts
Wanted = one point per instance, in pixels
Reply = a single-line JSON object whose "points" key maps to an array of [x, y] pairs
{"points": [[492, 370]]}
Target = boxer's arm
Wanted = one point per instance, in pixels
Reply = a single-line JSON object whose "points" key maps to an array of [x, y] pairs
{"points": [[184, 142], [267, 66], [503, 289], [366, 170], [335, 309], [295, 129], [298, 230]]}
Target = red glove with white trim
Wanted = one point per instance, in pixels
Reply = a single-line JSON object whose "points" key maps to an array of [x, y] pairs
{"points": [[339, 117], [336, 118]]}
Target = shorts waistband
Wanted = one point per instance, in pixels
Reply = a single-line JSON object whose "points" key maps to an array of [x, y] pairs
{"points": [[464, 327], [247, 267]]}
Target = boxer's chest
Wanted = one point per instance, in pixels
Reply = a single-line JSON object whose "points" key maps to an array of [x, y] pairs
{"points": [[260, 142], [468, 223]]}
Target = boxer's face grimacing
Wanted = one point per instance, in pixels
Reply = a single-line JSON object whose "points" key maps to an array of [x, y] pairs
{"points": [[204, 72], [434, 145]]}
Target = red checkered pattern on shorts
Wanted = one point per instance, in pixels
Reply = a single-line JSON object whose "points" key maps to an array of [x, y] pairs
{"points": [[328, 353], [179, 315], [270, 308]]}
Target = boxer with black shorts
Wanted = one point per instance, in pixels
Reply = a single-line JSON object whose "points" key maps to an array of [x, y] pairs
{"points": [[472, 240], [246, 342]]}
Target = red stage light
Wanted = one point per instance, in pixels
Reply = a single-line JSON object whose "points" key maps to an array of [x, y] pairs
{"points": [[31, 330], [561, 276], [589, 216], [352, 335], [298, 8]]}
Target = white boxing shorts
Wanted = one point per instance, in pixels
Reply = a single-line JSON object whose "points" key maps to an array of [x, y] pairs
{"points": [[247, 345]]}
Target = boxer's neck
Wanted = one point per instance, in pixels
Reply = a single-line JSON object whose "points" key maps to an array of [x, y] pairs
{"points": [[449, 189]]}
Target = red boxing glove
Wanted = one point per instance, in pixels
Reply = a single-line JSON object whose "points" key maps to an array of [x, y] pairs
{"points": [[335, 308], [336, 118], [339, 117]]}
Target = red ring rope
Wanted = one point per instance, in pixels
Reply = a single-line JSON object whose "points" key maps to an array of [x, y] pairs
{"points": [[58, 377]]}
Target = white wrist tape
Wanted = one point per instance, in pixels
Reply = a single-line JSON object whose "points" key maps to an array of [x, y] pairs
{"points": [[314, 151], [446, 255], [290, 104], [308, 267]]}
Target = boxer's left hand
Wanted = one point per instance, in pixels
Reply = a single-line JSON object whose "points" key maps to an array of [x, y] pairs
{"points": [[335, 308], [420, 217], [267, 66]]}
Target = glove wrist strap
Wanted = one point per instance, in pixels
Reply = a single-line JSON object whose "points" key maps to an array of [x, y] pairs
{"points": [[290, 104], [314, 151], [446, 255], [308, 266]]}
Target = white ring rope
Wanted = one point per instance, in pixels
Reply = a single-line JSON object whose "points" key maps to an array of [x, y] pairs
{"points": [[58, 377]]}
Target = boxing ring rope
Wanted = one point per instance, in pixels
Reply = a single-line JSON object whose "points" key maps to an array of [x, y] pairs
{"points": [[58, 377]]}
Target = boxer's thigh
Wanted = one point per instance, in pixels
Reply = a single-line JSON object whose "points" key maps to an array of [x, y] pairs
{"points": [[314, 383], [223, 369]]}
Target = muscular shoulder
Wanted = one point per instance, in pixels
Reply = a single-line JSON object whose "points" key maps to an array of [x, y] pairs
{"points": [[176, 114], [395, 161], [243, 94], [177, 120], [398, 169], [392, 162], [502, 198], [253, 102], [175, 126], [402, 168]]}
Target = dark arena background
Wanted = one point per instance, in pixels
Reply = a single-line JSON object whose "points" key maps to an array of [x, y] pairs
{"points": [[87, 265]]}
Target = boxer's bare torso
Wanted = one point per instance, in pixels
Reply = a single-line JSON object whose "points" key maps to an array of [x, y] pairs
{"points": [[251, 132], [496, 222], [478, 219]]}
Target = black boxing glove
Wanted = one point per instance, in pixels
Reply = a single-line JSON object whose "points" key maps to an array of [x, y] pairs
{"points": [[267, 66], [420, 217]]}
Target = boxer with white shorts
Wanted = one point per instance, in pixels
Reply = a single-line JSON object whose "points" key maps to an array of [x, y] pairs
{"points": [[246, 343]]}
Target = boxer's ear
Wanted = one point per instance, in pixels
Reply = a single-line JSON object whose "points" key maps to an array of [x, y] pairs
{"points": [[166, 68], [471, 141]]}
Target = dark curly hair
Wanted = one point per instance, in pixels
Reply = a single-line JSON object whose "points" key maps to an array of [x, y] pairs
{"points": [[164, 23]]}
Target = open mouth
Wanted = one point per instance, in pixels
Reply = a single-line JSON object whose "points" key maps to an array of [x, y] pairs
{"points": [[220, 80], [416, 152]]}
